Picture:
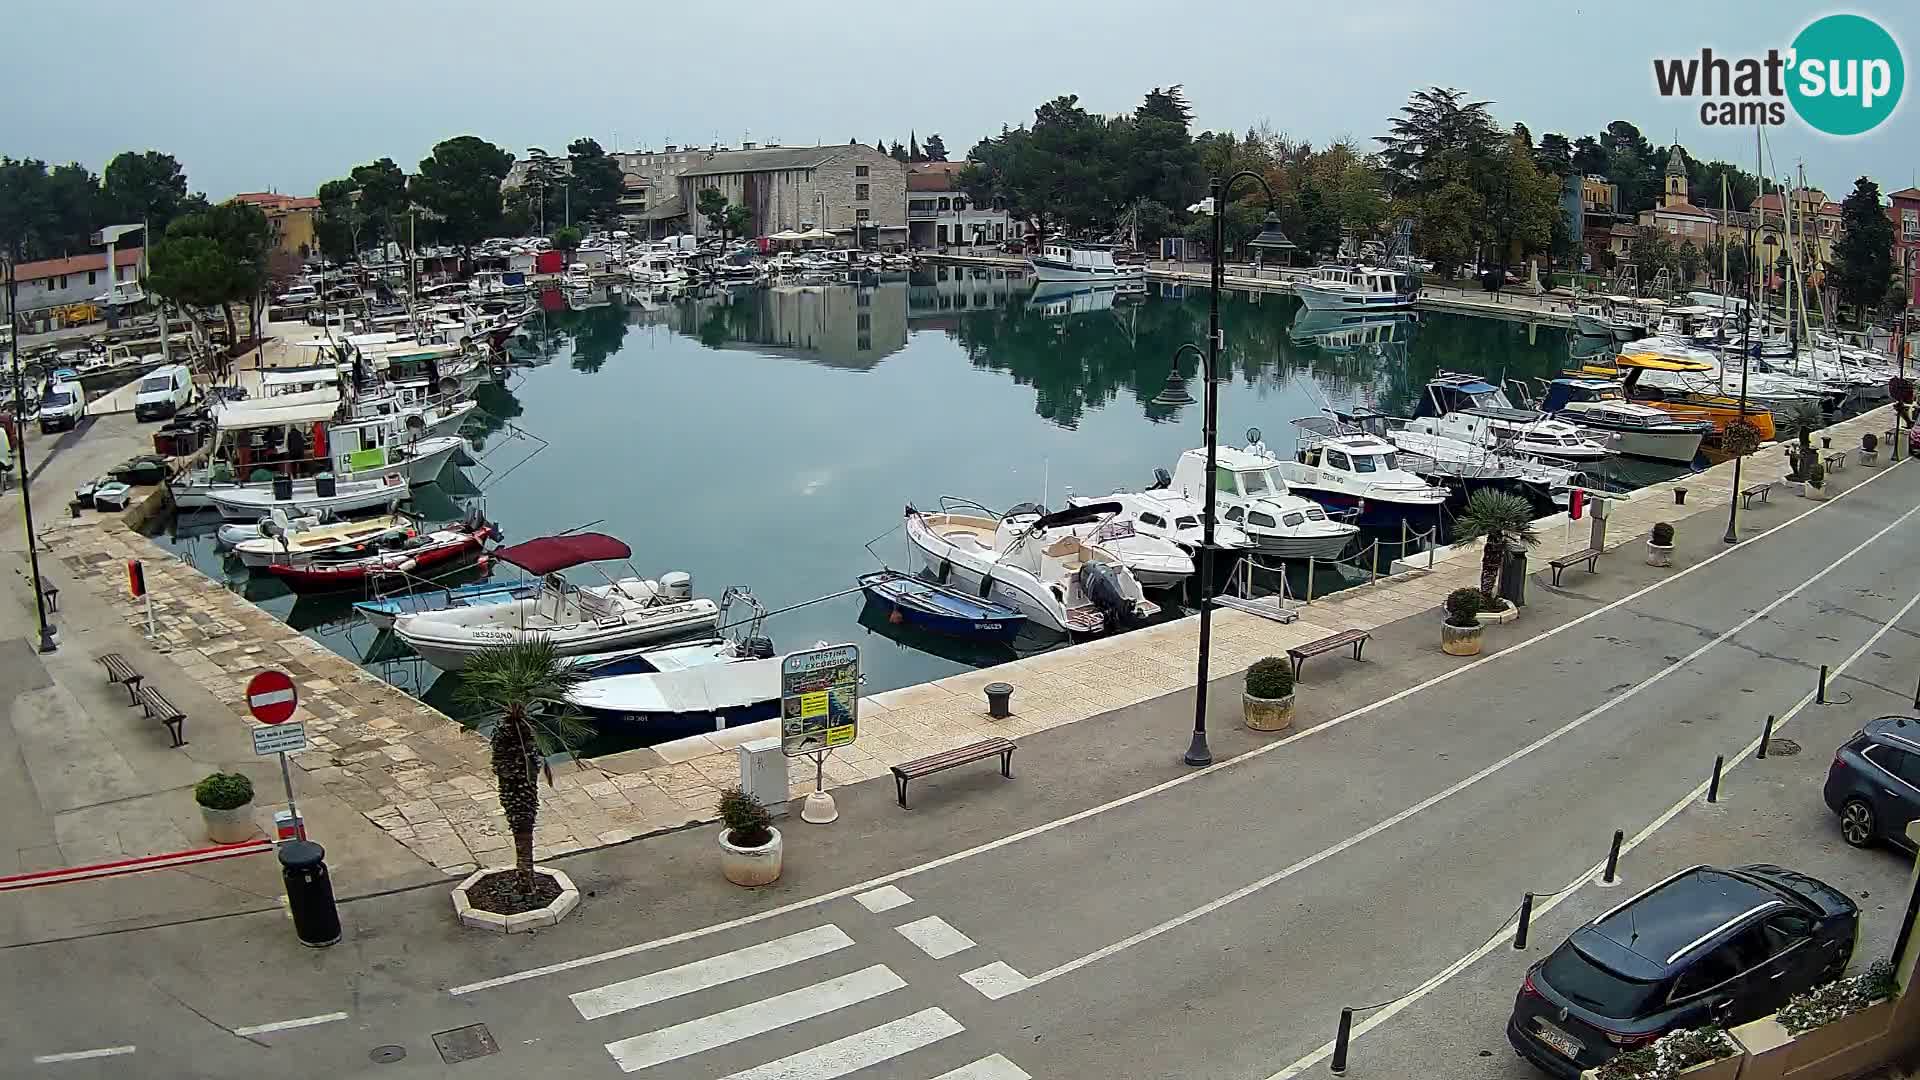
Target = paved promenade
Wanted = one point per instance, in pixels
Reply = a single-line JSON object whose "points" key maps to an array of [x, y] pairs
{"points": [[424, 782]]}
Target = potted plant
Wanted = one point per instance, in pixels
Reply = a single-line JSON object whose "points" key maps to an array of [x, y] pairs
{"points": [[1674, 1054], [1506, 520], [749, 844], [1817, 480], [1660, 545], [1460, 631], [1869, 450], [1267, 703], [226, 805], [1900, 389], [1740, 438]]}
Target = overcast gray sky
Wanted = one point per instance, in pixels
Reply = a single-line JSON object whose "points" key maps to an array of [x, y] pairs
{"points": [[253, 95]]}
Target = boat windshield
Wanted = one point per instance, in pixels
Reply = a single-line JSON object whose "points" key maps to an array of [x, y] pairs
{"points": [[1365, 462], [1186, 523], [1256, 482]]}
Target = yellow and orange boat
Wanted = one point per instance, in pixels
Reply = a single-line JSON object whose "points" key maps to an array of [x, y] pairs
{"points": [[1718, 409]]}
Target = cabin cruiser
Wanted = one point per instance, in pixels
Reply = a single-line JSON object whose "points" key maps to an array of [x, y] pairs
{"points": [[1708, 405], [1030, 561], [1082, 262], [1614, 317], [1155, 561], [1344, 468], [1468, 466], [1471, 410], [1356, 288], [1598, 407], [1250, 495], [658, 270], [1702, 372], [576, 619], [1160, 511]]}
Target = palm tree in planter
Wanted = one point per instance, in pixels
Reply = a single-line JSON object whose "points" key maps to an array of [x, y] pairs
{"points": [[519, 695], [1506, 520]]}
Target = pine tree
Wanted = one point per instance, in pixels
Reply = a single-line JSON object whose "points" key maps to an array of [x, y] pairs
{"points": [[1863, 259], [899, 153], [935, 148], [913, 147]]}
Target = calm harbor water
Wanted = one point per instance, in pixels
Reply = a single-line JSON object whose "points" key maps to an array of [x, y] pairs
{"points": [[764, 436]]}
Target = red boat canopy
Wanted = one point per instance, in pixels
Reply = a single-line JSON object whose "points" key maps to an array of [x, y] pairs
{"points": [[546, 554]]}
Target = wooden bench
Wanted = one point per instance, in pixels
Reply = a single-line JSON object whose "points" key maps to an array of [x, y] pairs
{"points": [[1762, 489], [52, 592], [122, 673], [159, 708], [1299, 653], [933, 763], [1586, 555], [1836, 461]]}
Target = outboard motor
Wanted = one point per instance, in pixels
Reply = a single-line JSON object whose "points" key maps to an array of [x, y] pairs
{"points": [[1162, 480], [676, 585], [1101, 583]]}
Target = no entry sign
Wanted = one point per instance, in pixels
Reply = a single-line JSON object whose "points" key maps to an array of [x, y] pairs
{"points": [[271, 697]]}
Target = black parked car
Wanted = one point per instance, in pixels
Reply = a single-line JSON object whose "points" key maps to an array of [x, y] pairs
{"points": [[1874, 782], [1704, 946]]}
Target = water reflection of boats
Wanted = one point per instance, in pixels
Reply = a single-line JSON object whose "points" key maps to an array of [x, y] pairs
{"points": [[1055, 299], [1343, 331], [877, 619]]}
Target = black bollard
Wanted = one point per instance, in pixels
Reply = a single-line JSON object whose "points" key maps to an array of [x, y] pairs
{"points": [[1526, 917], [303, 867], [1340, 1039], [1766, 737], [1713, 789], [1613, 857], [1821, 697]]}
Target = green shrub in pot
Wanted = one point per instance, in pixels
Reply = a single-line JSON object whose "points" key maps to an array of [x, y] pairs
{"points": [[223, 791], [1463, 605], [1663, 534], [1270, 678]]}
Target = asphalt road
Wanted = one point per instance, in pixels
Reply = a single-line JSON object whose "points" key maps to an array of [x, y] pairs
{"points": [[1108, 913]]}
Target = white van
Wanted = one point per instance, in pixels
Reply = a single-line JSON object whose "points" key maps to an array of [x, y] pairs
{"points": [[163, 392], [62, 407]]}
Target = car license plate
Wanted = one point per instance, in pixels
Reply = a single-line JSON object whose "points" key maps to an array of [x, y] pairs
{"points": [[1565, 1044]]}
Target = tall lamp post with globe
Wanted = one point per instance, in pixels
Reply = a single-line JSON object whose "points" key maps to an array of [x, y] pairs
{"points": [[1174, 394]]}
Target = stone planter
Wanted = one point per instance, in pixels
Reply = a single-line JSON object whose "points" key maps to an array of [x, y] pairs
{"points": [[1267, 714], [519, 923], [1795, 487], [1869, 459], [229, 826], [1727, 1068], [1506, 614], [1846, 1047], [1459, 640], [751, 866], [1816, 492], [1659, 554]]}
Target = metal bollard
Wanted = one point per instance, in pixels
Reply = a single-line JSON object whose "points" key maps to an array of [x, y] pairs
{"points": [[303, 867], [1613, 858], [1526, 917], [1340, 1039], [1821, 698], [1310, 562], [1766, 737], [1713, 788]]}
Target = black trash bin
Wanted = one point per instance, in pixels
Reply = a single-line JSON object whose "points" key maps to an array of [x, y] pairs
{"points": [[323, 485], [303, 866], [1513, 578], [282, 489]]}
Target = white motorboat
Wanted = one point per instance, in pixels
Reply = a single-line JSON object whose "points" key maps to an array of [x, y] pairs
{"points": [[1160, 511], [658, 270], [1082, 262], [1344, 468], [576, 619], [1251, 495], [1472, 410], [1061, 582], [318, 497], [231, 533], [1155, 561], [1598, 407], [282, 541], [1356, 288]]}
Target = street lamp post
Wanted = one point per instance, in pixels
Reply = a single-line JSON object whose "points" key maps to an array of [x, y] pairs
{"points": [[1746, 363], [49, 636], [1175, 394]]}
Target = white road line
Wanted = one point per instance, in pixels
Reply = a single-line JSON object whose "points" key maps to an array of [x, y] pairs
{"points": [[288, 1025], [82, 1055], [1500, 941], [1451, 790], [884, 898], [753, 1018], [935, 936], [859, 1050], [1184, 778], [996, 980], [991, 1067], [713, 971]]}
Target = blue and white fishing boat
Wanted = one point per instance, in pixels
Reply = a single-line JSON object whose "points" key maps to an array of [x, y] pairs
{"points": [[381, 613], [943, 610]]}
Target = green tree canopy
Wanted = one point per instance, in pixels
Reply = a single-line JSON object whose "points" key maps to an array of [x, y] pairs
{"points": [[712, 205], [566, 238], [1863, 259], [383, 201], [598, 182], [460, 184], [144, 186], [935, 148], [334, 223], [1436, 126]]}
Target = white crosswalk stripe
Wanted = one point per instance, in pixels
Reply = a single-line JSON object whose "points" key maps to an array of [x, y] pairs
{"points": [[713, 971], [935, 936], [857, 1051], [991, 1067], [755, 1018]]}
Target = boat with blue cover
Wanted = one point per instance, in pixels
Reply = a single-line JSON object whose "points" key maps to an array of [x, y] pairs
{"points": [[939, 608]]}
